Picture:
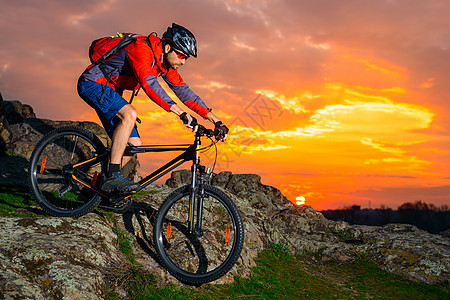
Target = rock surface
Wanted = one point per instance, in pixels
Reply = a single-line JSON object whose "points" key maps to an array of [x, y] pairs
{"points": [[5, 133], [75, 258], [54, 258]]}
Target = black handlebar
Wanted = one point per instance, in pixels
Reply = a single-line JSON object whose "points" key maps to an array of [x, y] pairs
{"points": [[203, 131]]}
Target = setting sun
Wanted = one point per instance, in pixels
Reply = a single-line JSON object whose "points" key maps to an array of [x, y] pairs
{"points": [[300, 200]]}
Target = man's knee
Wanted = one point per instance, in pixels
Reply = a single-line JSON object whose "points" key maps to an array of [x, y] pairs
{"points": [[128, 113], [135, 141]]}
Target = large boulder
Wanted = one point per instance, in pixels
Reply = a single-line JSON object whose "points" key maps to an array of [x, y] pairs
{"points": [[16, 112], [11, 112], [25, 136], [57, 258], [5, 132], [246, 186], [30, 131]]}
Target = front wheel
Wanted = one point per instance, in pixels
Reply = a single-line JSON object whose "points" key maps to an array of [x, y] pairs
{"points": [[56, 164], [202, 256]]}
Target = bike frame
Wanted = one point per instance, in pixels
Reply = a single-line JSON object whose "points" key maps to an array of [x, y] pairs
{"points": [[190, 153]]}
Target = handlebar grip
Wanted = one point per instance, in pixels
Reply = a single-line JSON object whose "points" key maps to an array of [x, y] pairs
{"points": [[202, 131]]}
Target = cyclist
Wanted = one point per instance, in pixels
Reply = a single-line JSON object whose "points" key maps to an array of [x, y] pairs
{"points": [[139, 64]]}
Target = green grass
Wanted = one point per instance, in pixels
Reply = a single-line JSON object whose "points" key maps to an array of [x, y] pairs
{"points": [[16, 202], [142, 194], [279, 274], [125, 245]]}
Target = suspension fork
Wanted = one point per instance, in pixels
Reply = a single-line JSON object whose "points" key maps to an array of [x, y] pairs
{"points": [[193, 189], [192, 198], [196, 201], [196, 196], [200, 197]]}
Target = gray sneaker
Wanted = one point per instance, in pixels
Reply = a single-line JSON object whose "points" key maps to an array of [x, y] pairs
{"points": [[117, 182]]}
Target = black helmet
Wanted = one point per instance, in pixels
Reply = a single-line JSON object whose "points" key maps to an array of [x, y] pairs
{"points": [[182, 39]]}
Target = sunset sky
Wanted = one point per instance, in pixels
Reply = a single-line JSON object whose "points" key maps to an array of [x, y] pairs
{"points": [[341, 102]]}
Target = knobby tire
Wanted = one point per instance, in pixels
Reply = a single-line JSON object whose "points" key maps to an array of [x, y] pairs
{"points": [[51, 183], [197, 259]]}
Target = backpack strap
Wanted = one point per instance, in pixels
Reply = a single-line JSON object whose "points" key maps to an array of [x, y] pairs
{"points": [[147, 40], [135, 92]]}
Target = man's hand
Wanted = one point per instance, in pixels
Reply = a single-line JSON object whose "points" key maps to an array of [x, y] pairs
{"points": [[220, 131], [189, 121]]}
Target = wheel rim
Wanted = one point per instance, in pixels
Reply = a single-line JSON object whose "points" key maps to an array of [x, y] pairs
{"points": [[52, 173], [198, 258]]}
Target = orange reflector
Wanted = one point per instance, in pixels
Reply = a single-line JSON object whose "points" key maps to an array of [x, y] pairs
{"points": [[169, 231], [227, 234], [44, 161], [94, 179]]}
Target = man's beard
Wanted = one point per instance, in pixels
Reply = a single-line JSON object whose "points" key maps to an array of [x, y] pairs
{"points": [[168, 65]]}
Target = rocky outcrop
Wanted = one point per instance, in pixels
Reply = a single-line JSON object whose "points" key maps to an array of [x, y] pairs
{"points": [[5, 133], [74, 258], [270, 217], [16, 112], [30, 131], [11, 112], [55, 258]]}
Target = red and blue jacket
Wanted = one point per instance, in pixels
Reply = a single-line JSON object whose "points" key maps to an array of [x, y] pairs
{"points": [[139, 65]]}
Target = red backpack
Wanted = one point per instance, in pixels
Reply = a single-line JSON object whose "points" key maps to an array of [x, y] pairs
{"points": [[104, 48]]}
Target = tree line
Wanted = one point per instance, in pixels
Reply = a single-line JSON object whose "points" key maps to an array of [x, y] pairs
{"points": [[425, 216]]}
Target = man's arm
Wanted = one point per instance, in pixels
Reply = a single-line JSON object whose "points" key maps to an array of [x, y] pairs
{"points": [[140, 59], [178, 111], [185, 94]]}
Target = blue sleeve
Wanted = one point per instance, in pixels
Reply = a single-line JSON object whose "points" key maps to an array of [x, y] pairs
{"points": [[188, 97], [155, 91]]}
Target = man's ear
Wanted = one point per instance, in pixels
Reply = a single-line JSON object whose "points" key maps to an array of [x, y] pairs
{"points": [[167, 48]]}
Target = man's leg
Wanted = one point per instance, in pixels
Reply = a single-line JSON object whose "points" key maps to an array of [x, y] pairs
{"points": [[120, 134], [109, 105], [135, 141], [120, 137], [127, 116]]}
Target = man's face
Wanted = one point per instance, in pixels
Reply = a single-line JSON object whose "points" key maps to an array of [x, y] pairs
{"points": [[175, 58]]}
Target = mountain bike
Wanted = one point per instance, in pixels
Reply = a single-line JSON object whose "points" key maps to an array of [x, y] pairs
{"points": [[198, 232]]}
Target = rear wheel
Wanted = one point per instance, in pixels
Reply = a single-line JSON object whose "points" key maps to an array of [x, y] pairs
{"points": [[60, 189], [203, 256]]}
